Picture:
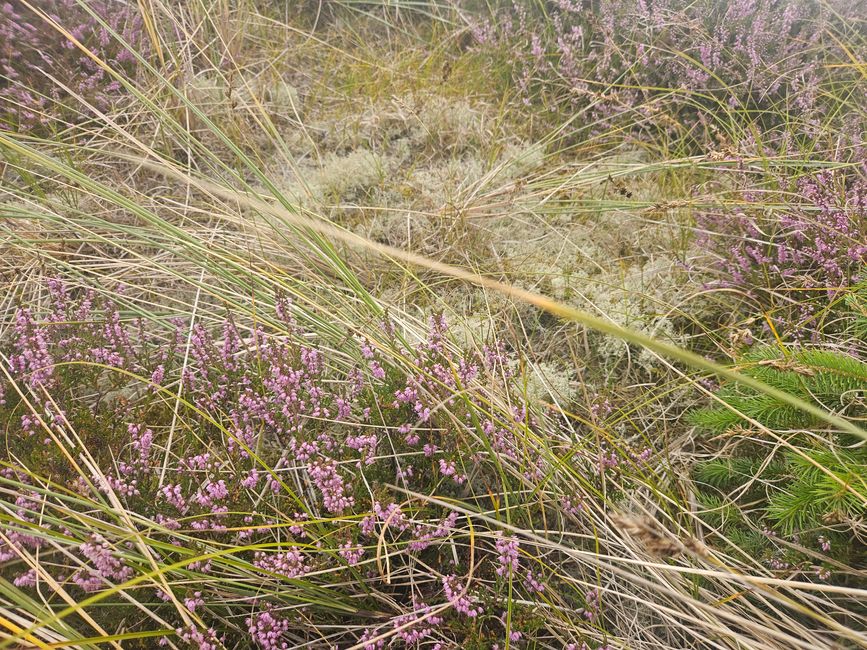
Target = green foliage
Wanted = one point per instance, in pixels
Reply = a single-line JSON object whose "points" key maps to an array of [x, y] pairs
{"points": [[816, 485], [856, 301], [817, 490], [726, 473], [750, 542], [831, 380]]}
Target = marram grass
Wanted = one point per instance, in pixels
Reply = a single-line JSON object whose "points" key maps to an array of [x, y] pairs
{"points": [[230, 420]]}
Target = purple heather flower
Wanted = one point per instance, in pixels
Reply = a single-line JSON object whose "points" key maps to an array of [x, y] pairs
{"points": [[104, 566], [507, 555], [267, 630], [456, 596], [291, 563], [351, 553], [592, 605]]}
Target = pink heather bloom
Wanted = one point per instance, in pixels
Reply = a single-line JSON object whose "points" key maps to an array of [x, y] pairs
{"points": [[531, 584], [34, 361], [327, 479], [412, 437], [291, 563], [194, 602], [415, 634], [366, 444], [424, 536], [454, 593], [572, 506], [201, 640], [447, 468], [104, 566], [173, 494], [368, 525], [158, 375], [376, 370], [391, 516], [351, 553], [251, 481], [592, 605], [507, 550], [297, 528], [371, 645], [267, 630], [26, 579]]}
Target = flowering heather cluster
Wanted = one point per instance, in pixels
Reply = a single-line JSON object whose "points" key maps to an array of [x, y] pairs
{"points": [[35, 58], [612, 57], [279, 446], [508, 556], [806, 239]]}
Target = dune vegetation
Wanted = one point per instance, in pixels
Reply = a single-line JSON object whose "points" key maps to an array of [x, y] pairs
{"points": [[433, 324]]}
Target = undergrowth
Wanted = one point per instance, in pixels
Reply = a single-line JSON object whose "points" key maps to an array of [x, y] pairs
{"points": [[432, 325]]}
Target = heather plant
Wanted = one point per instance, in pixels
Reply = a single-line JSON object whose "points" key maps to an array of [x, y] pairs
{"points": [[298, 465], [689, 69], [42, 69], [793, 246]]}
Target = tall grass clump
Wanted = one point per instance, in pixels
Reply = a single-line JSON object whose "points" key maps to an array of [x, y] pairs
{"points": [[232, 422]]}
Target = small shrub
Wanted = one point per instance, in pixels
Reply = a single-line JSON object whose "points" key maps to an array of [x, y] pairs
{"points": [[802, 240], [32, 51], [282, 454], [815, 496], [657, 65]]}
